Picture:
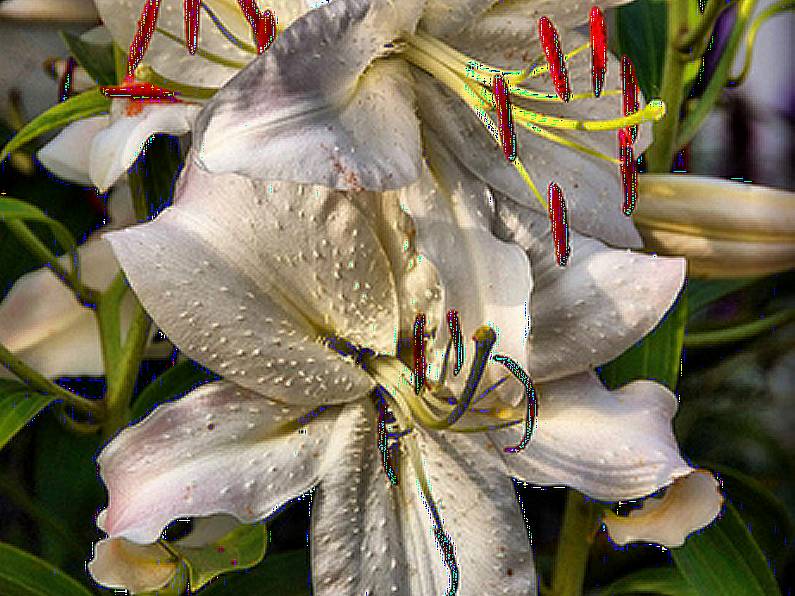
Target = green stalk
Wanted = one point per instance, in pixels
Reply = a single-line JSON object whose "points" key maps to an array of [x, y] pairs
{"points": [[660, 154], [739, 332], [35, 380], [580, 522], [712, 11], [718, 81]]}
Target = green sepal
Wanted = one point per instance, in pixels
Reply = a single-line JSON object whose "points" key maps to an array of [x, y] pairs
{"points": [[88, 103], [22, 574], [725, 559], [96, 59], [18, 406]]}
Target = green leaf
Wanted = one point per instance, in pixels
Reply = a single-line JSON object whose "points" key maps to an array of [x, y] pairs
{"points": [[22, 574], [241, 549], [703, 292], [667, 581], [657, 356], [18, 406], [97, 59], [88, 103], [640, 33], [286, 574], [13, 209], [725, 559], [175, 382]]}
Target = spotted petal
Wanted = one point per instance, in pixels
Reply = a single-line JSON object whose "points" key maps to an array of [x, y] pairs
{"points": [[220, 449], [601, 303], [611, 445], [486, 280], [310, 90], [249, 279], [689, 504]]}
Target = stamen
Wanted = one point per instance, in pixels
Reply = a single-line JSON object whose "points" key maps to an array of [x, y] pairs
{"points": [[262, 25], [66, 80], [143, 34], [484, 339], [598, 49], [137, 91], [448, 556], [383, 439], [550, 43], [629, 171], [457, 337], [419, 353], [630, 92], [558, 218], [231, 37], [530, 396], [504, 117], [192, 25]]}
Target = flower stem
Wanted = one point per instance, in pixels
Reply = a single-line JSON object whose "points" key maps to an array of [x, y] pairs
{"points": [[712, 11], [580, 522], [35, 380], [742, 332]]}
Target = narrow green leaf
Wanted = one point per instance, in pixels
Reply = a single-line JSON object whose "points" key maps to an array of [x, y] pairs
{"points": [[241, 549], [725, 559], [97, 59], [11, 209], [666, 581], [22, 574], [641, 29], [18, 406], [657, 356], [286, 574], [89, 103], [175, 382], [703, 292]]}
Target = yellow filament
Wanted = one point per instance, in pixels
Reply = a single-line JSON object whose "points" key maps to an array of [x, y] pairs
{"points": [[652, 112]]}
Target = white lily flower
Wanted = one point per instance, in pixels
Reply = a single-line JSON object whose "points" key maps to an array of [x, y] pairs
{"points": [[99, 150], [309, 108], [270, 284], [43, 323]]}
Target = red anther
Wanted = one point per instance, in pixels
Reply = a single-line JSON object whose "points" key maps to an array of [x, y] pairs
{"points": [[598, 49], [550, 43], [504, 117], [192, 25], [66, 80], [559, 223], [139, 92], [454, 324], [630, 93], [263, 25], [143, 34], [629, 172], [419, 353]]}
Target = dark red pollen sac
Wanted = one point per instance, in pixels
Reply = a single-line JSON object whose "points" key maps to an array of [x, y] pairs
{"points": [[136, 91], [504, 117], [550, 43], [454, 325], [262, 25], [559, 223], [66, 79], [630, 93], [419, 353], [192, 25], [143, 35], [629, 172], [598, 49]]}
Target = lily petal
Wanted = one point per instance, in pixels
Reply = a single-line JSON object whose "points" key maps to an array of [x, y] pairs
{"points": [[44, 325], [610, 445], [125, 565], [442, 17], [596, 307], [219, 449], [689, 504], [66, 155], [486, 280], [249, 279], [310, 89], [117, 147]]}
